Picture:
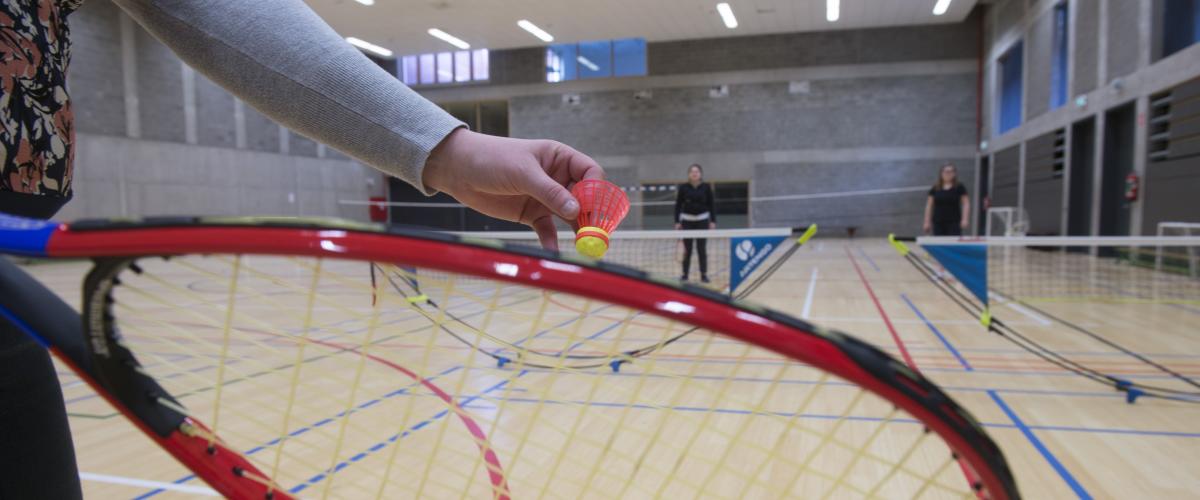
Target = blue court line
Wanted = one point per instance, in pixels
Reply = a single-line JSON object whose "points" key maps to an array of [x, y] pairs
{"points": [[868, 257], [950, 347], [1041, 448], [442, 414], [918, 347], [320, 423], [985, 371], [834, 383], [322, 475], [858, 418]]}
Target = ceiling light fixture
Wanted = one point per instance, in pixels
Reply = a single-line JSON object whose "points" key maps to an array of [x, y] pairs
{"points": [[366, 2], [587, 63], [448, 38], [833, 10], [941, 7], [727, 15], [534, 30], [369, 47]]}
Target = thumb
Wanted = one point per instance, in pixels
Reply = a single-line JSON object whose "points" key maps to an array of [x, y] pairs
{"points": [[550, 193]]}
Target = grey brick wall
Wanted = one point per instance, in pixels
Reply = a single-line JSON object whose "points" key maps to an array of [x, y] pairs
{"points": [[873, 214], [214, 114], [94, 79], [516, 66], [262, 134], [843, 113], [1123, 29], [300, 145], [1008, 13], [1040, 50], [1086, 39], [890, 45], [160, 90]]}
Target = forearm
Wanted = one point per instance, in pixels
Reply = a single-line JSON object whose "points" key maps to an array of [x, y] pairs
{"points": [[281, 58]]}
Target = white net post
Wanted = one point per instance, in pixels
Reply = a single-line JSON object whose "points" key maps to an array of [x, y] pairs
{"points": [[1012, 221], [1179, 229]]}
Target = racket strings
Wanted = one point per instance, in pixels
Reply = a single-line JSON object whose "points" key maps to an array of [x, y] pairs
{"points": [[711, 415]]}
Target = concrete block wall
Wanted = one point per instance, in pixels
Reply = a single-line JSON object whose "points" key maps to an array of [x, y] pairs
{"points": [[1084, 49], [154, 137], [1112, 64], [882, 109], [1038, 64]]}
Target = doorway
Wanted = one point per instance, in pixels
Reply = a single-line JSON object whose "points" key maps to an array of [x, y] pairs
{"points": [[1083, 163]]}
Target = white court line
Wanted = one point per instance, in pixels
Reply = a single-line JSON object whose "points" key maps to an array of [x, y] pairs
{"points": [[1030, 314], [1019, 308], [128, 481], [808, 298]]}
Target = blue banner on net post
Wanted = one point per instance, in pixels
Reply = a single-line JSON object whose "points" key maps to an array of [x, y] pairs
{"points": [[746, 254]]}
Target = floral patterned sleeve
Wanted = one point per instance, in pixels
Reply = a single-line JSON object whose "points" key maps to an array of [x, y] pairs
{"points": [[36, 124]]}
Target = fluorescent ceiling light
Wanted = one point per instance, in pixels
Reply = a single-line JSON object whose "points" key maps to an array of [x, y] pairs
{"points": [[535, 31], [727, 15], [833, 10], [448, 38], [587, 63], [940, 7], [366, 2], [369, 47]]}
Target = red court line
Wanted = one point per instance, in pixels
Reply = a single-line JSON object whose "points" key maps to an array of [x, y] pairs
{"points": [[500, 489], [886, 320], [972, 478]]}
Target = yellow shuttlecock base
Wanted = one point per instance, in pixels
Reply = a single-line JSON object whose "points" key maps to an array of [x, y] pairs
{"points": [[591, 242]]}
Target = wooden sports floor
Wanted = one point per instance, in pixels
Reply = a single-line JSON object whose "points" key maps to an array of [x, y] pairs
{"points": [[1063, 436]]}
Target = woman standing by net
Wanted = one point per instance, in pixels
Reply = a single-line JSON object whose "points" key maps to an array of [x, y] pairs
{"points": [[695, 209], [948, 207]]}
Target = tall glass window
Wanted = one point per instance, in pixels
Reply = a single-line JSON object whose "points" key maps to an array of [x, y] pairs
{"points": [[1011, 72], [1058, 70], [596, 59]]}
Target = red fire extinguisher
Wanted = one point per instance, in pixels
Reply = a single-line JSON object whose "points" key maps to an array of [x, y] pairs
{"points": [[1131, 187]]}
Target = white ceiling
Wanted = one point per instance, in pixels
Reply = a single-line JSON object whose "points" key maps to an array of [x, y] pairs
{"points": [[402, 25]]}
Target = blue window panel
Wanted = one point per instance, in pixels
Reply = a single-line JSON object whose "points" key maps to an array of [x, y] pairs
{"points": [[595, 59], [1181, 25], [1058, 70], [1010, 88], [480, 65], [426, 65], [629, 57], [561, 64], [408, 70]]}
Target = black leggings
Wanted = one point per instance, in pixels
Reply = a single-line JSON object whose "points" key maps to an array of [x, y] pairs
{"points": [[701, 248], [947, 229], [37, 459]]}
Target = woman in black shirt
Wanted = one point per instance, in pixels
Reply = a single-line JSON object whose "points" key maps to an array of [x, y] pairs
{"points": [[948, 207], [694, 209]]}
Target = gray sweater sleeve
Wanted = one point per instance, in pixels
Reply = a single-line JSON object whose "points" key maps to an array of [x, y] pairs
{"points": [[281, 58]]}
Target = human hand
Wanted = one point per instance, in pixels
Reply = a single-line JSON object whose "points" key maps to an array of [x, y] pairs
{"points": [[678, 226], [516, 180], [964, 224], [712, 225], [927, 228]]}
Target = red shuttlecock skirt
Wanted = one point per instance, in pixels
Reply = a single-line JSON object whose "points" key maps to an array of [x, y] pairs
{"points": [[602, 206]]}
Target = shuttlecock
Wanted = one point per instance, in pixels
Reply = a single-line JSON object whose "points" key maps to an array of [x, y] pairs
{"points": [[602, 206]]}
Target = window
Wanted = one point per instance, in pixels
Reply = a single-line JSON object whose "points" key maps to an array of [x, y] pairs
{"points": [[629, 57], [1010, 88], [445, 67], [1058, 69], [1181, 25], [596, 59]]}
